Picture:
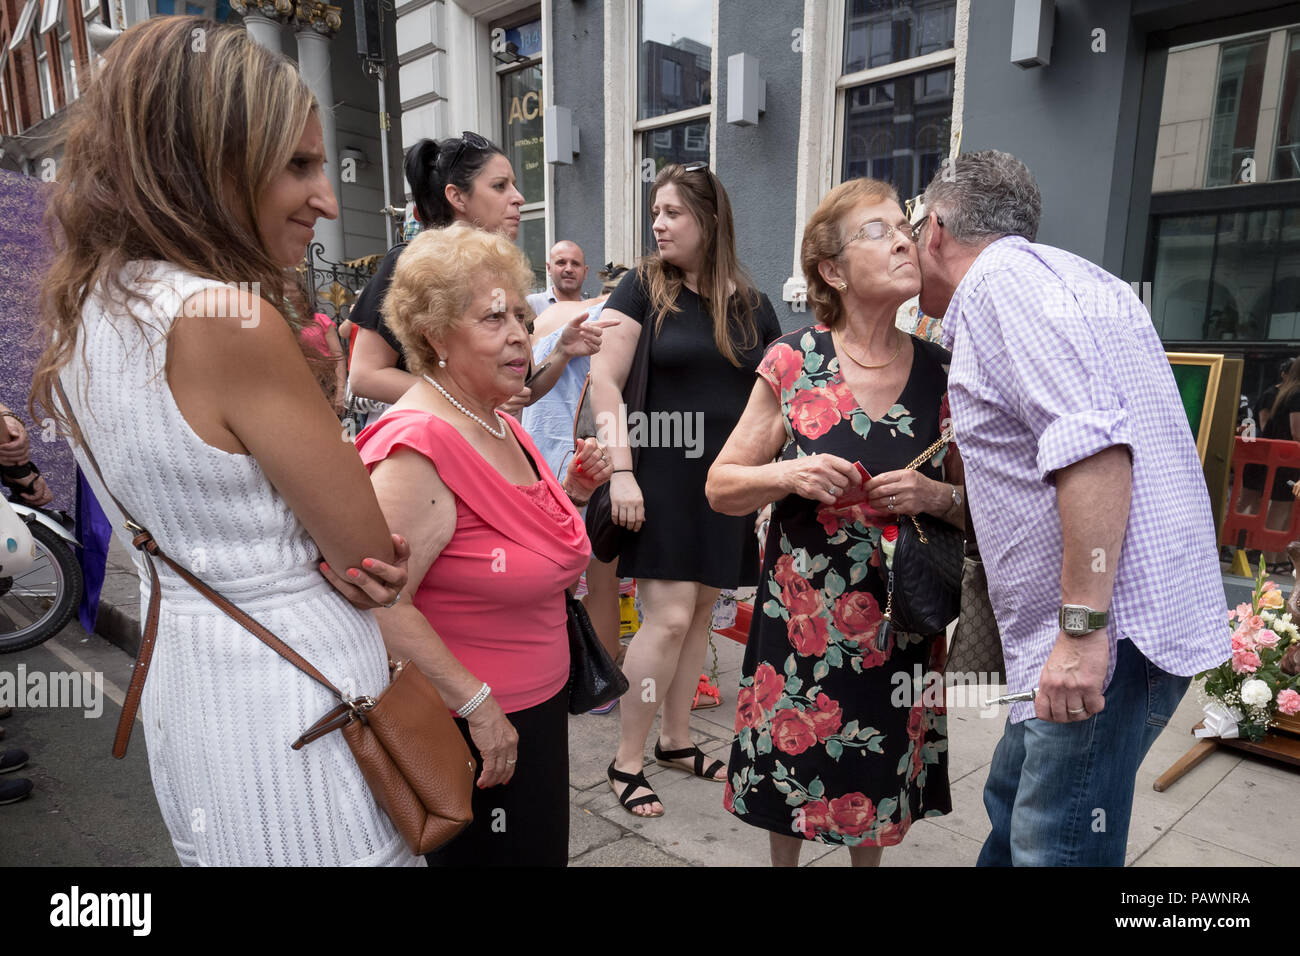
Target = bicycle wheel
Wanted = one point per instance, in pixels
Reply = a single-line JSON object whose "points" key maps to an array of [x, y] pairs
{"points": [[37, 604]]}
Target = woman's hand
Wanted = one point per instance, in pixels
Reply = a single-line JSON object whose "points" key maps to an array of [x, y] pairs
{"points": [[497, 742], [823, 478], [908, 492], [581, 337], [627, 507], [589, 468], [17, 449], [378, 585]]}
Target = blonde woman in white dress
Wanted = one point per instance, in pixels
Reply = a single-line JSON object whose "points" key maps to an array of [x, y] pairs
{"points": [[185, 171]]}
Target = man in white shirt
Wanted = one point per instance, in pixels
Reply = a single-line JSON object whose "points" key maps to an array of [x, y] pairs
{"points": [[567, 269]]}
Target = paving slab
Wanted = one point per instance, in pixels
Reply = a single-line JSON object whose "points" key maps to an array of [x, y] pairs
{"points": [[629, 851], [1230, 814], [1184, 850], [588, 831]]}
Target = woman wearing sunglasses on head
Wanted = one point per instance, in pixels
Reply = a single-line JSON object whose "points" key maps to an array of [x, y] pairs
{"points": [[709, 327], [465, 179]]}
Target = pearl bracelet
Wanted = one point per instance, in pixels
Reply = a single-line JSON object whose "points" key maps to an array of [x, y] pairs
{"points": [[471, 705]]}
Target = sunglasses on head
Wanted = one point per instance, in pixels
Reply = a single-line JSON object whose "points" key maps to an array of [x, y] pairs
{"points": [[468, 140]]}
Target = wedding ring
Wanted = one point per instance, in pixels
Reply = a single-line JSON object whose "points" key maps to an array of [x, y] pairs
{"points": [[511, 763], [1081, 710], [835, 492], [396, 598], [891, 502]]}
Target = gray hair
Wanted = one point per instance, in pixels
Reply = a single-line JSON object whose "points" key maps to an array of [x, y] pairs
{"points": [[986, 194]]}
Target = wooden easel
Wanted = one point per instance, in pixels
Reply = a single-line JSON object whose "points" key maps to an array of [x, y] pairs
{"points": [[1281, 743]]}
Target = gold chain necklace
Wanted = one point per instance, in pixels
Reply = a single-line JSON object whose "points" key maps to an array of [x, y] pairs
{"points": [[897, 352]]}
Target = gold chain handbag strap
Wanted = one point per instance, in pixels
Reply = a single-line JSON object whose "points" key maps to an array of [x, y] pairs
{"points": [[944, 438]]}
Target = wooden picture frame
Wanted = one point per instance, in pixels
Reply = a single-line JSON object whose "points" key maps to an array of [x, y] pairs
{"points": [[1197, 376]]}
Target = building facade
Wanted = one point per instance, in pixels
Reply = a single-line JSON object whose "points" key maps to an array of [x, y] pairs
{"points": [[49, 49], [1139, 129]]}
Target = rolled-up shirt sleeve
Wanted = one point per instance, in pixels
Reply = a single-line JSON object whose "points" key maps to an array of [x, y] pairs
{"points": [[1055, 375]]}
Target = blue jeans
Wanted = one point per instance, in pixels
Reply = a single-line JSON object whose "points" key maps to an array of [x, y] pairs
{"points": [[1062, 794]]}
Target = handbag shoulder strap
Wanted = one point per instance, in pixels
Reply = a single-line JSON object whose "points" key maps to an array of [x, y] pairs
{"points": [[144, 542]]}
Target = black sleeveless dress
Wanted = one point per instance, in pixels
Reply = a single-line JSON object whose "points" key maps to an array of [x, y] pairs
{"points": [[694, 399], [837, 740]]}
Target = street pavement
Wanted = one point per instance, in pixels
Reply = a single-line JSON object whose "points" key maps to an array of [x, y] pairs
{"points": [[90, 810]]}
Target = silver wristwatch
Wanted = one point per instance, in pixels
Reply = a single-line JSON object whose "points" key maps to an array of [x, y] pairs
{"points": [[1078, 620]]}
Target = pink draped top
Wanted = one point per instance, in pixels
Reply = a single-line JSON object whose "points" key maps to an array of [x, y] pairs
{"points": [[495, 595]]}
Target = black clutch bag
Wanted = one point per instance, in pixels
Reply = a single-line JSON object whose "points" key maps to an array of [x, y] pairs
{"points": [[594, 679]]}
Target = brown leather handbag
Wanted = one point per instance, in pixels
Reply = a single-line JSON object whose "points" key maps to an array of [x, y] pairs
{"points": [[409, 749]]}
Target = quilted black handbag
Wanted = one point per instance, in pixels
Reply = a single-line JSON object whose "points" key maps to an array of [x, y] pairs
{"points": [[924, 583], [594, 679]]}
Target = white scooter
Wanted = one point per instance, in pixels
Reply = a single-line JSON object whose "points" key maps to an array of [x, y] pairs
{"points": [[40, 580]]}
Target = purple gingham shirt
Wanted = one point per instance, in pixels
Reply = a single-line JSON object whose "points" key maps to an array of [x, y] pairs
{"points": [[1055, 360]]}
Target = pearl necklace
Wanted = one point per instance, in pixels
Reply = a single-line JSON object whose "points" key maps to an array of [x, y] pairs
{"points": [[465, 411]]}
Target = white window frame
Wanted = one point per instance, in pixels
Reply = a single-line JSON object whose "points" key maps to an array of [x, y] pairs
{"points": [[623, 131], [822, 101], [45, 79]]}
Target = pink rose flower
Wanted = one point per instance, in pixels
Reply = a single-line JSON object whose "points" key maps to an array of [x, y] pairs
{"points": [[814, 412], [1266, 638], [826, 718], [785, 364], [852, 814], [768, 686], [1245, 662], [808, 635], [1288, 702], [793, 732], [813, 816]]}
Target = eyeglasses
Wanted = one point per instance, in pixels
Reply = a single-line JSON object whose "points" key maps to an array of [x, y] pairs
{"points": [[916, 230], [876, 230], [468, 139]]}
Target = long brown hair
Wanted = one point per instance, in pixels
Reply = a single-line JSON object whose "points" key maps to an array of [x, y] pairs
{"points": [[705, 199], [186, 122], [1290, 384]]}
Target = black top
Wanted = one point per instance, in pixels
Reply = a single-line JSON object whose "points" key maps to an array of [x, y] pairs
{"points": [[1279, 425], [368, 311], [694, 398]]}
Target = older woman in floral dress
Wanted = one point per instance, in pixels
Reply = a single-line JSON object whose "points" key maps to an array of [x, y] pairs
{"points": [[835, 740]]}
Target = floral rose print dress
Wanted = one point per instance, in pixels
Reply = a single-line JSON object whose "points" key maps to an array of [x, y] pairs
{"points": [[836, 739]]}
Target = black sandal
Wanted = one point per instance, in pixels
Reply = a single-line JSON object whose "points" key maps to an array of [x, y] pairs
{"points": [[706, 773], [634, 781], [10, 473]]}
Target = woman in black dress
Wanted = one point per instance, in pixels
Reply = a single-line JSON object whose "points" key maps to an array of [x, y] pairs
{"points": [[836, 738], [710, 329]]}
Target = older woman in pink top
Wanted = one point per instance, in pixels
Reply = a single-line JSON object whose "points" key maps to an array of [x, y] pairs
{"points": [[495, 538]]}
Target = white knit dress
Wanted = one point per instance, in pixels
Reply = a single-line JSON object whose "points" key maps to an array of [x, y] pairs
{"points": [[219, 707]]}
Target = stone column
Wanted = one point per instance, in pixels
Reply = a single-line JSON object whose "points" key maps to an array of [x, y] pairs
{"points": [[263, 19], [316, 23]]}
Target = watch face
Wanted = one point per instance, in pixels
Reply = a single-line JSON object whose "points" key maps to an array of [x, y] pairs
{"points": [[1076, 619]]}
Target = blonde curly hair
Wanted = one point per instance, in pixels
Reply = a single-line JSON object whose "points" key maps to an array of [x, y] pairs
{"points": [[435, 280]]}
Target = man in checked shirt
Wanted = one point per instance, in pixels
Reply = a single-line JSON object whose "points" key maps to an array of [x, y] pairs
{"points": [[1089, 505]]}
